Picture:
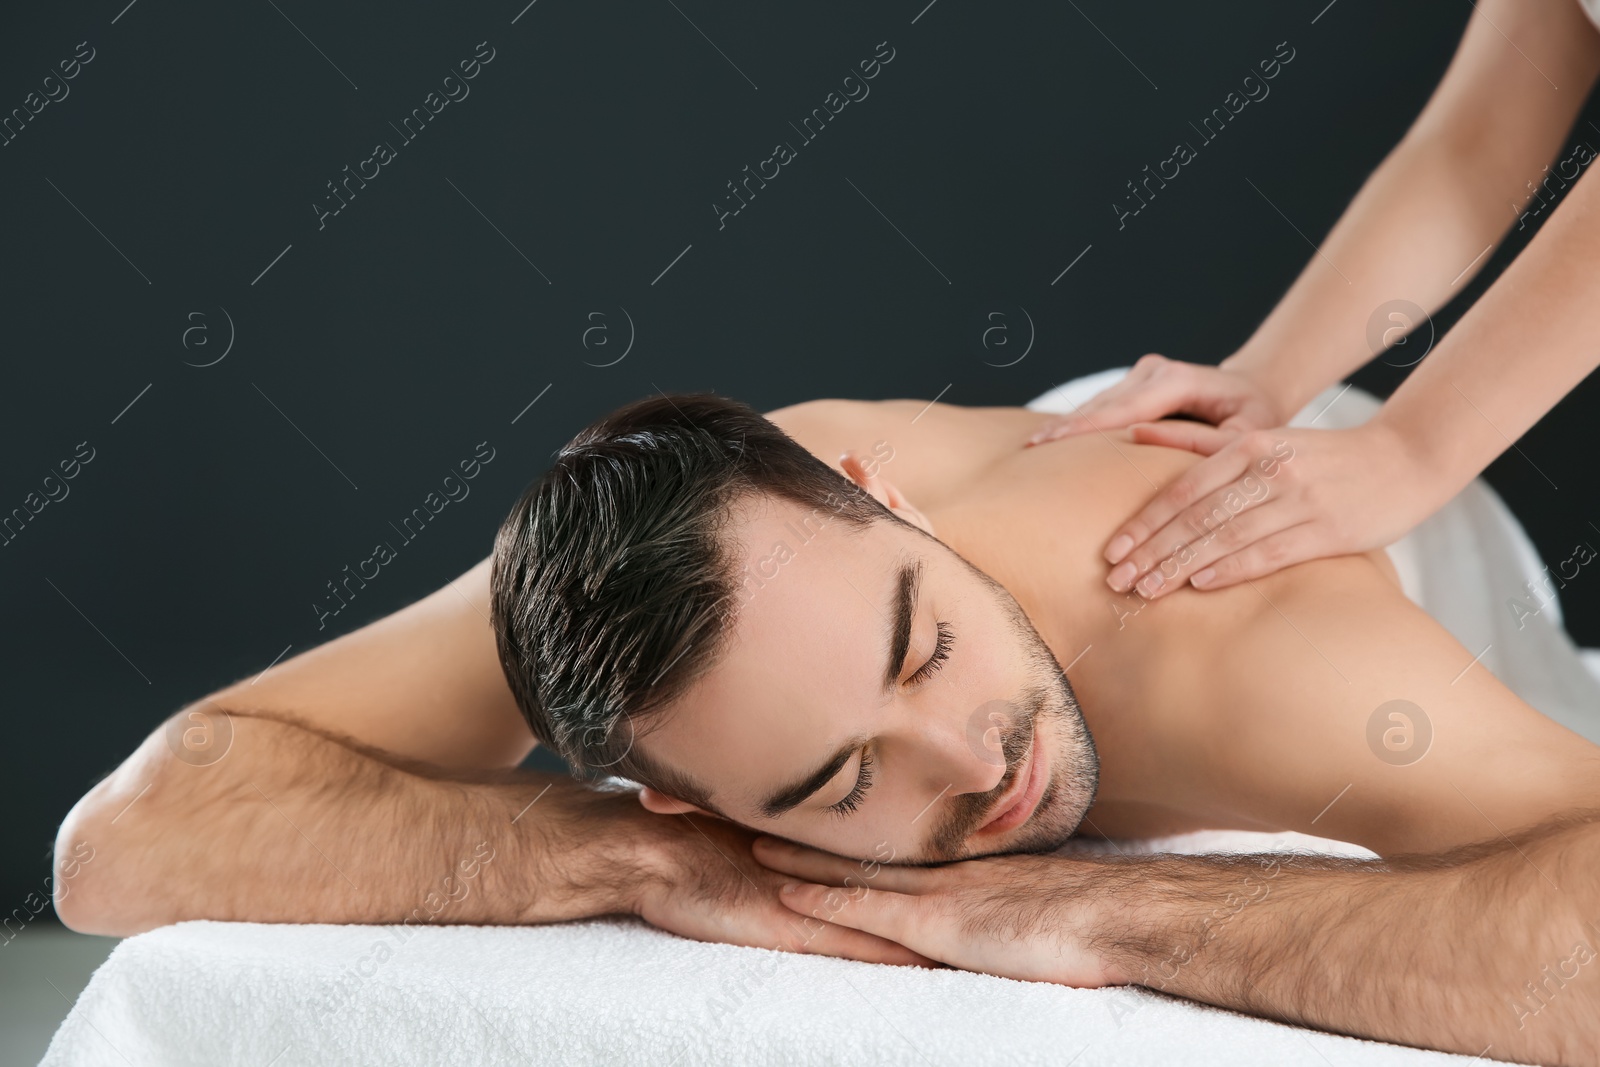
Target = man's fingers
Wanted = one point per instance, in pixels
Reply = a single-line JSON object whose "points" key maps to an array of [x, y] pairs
{"points": [[815, 865], [815, 937], [881, 912], [1177, 433]]}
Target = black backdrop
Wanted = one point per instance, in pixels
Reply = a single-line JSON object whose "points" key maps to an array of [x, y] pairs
{"points": [[561, 204]]}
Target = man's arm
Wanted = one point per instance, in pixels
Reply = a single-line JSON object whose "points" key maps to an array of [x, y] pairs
{"points": [[295, 826], [373, 780], [366, 780], [1488, 950], [1423, 222]]}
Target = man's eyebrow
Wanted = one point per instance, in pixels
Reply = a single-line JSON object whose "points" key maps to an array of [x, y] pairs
{"points": [[904, 607], [792, 796]]}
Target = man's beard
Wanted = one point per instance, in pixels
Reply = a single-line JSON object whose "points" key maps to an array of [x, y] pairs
{"points": [[1074, 763]]}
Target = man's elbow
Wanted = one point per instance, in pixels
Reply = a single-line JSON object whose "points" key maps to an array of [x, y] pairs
{"points": [[95, 881], [78, 890]]}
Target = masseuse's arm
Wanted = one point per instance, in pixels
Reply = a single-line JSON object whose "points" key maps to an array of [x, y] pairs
{"points": [[1421, 226], [374, 780], [1457, 183], [1523, 346]]}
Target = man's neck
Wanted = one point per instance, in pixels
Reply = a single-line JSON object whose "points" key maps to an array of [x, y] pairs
{"points": [[1036, 526]]}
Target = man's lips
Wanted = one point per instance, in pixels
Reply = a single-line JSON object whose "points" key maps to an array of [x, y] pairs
{"points": [[1013, 809]]}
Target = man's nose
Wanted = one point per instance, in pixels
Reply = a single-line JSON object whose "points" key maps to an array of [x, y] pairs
{"points": [[967, 755]]}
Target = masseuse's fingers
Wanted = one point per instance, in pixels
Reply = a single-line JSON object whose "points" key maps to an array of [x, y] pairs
{"points": [[1157, 386], [1214, 509], [1221, 525], [1193, 436], [1132, 547], [815, 865], [1141, 394], [1259, 558]]}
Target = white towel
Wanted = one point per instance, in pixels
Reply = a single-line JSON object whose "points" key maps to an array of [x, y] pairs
{"points": [[616, 990]]}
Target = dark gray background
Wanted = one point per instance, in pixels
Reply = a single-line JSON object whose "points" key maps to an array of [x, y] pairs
{"points": [[588, 156]]}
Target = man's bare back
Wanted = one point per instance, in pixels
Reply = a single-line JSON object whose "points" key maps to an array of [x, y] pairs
{"points": [[1246, 707]]}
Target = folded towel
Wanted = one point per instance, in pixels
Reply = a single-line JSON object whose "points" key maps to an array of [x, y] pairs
{"points": [[617, 990]]}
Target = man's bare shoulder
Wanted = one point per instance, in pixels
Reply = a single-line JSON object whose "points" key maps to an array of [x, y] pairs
{"points": [[423, 683], [936, 450], [1339, 707], [928, 417]]}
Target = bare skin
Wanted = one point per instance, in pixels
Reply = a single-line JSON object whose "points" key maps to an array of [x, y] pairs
{"points": [[1491, 153], [366, 778], [1209, 739]]}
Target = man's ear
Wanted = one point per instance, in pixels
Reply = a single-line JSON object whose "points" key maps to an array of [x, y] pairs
{"points": [[658, 802], [884, 490]]}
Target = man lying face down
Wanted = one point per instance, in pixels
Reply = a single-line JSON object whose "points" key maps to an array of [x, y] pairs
{"points": [[691, 600], [834, 645]]}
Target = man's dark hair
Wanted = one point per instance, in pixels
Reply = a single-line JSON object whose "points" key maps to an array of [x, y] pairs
{"points": [[614, 587]]}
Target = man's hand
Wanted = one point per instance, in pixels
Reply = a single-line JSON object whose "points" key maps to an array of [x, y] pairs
{"points": [[1157, 387], [1020, 916], [709, 886], [1489, 949]]}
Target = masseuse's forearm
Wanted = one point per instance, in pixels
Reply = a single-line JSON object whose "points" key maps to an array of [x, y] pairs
{"points": [[1490, 950], [292, 826], [1420, 219], [1522, 347]]}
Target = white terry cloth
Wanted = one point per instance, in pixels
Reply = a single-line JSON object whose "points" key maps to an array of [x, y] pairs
{"points": [[1592, 9], [1470, 565], [618, 991]]}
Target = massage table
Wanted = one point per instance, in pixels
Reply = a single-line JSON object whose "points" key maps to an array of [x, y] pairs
{"points": [[616, 990]]}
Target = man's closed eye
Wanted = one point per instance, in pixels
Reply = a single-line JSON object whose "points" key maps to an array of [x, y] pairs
{"points": [[941, 653]]}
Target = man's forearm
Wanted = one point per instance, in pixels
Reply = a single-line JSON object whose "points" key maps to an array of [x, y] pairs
{"points": [[1487, 950], [288, 825]]}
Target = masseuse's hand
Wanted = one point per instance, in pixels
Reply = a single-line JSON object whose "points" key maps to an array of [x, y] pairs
{"points": [[1267, 499], [1156, 387], [1028, 917], [704, 883]]}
